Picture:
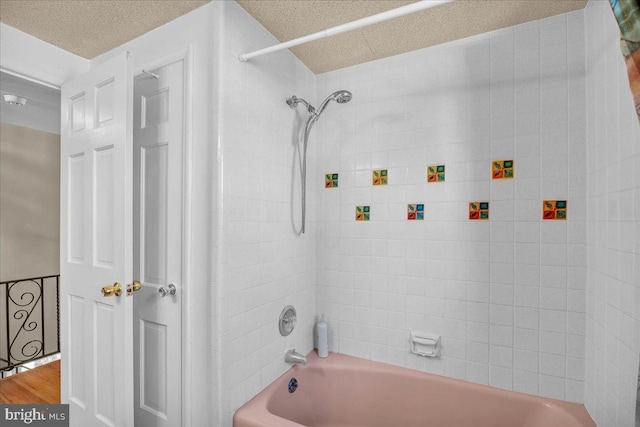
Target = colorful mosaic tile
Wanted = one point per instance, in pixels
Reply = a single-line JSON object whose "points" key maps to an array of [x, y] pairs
{"points": [[435, 173], [554, 210], [363, 213], [415, 212], [380, 177], [479, 210], [331, 180], [502, 169]]}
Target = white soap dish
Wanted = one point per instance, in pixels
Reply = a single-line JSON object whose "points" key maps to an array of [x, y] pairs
{"points": [[425, 344]]}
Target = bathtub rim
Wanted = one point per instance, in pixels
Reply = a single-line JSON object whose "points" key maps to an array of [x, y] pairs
{"points": [[263, 398]]}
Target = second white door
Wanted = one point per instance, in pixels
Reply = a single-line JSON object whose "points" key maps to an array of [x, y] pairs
{"points": [[158, 135]]}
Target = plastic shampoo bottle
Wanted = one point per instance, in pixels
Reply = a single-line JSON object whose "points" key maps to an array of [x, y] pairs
{"points": [[322, 330]]}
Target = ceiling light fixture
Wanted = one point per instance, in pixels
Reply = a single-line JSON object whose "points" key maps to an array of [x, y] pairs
{"points": [[15, 100]]}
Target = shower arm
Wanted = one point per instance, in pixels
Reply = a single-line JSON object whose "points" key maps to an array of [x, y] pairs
{"points": [[294, 101]]}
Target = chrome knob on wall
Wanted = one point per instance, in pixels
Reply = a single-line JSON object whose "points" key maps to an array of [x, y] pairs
{"points": [[287, 320], [169, 290]]}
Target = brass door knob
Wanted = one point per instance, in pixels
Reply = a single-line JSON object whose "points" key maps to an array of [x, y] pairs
{"points": [[109, 290]]}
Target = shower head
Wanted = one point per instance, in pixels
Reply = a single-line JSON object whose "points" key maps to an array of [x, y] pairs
{"points": [[343, 97], [340, 96]]}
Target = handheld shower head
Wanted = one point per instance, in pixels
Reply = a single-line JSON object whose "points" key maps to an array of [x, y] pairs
{"points": [[343, 97], [340, 96]]}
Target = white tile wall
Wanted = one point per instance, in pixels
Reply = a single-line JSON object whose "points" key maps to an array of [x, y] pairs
{"points": [[613, 227], [262, 265], [507, 295]]}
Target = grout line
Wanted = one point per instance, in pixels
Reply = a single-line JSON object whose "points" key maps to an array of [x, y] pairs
{"points": [[489, 364], [514, 198], [566, 226], [540, 169]]}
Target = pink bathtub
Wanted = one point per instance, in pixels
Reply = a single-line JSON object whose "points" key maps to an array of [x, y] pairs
{"points": [[344, 391]]}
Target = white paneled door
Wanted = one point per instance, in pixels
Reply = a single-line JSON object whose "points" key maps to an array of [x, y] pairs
{"points": [[158, 146], [96, 245]]}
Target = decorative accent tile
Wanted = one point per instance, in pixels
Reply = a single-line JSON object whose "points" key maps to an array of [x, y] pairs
{"points": [[380, 177], [478, 210], [435, 173], [554, 210], [502, 169], [363, 213], [331, 180], [415, 212]]}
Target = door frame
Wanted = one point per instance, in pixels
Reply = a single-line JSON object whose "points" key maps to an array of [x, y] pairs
{"points": [[184, 54]]}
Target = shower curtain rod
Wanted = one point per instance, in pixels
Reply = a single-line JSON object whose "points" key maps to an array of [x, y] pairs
{"points": [[354, 25]]}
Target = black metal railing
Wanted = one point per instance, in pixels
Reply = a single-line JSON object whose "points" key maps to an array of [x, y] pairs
{"points": [[29, 320]]}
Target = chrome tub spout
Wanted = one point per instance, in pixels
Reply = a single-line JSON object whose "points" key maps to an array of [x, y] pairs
{"points": [[292, 357]]}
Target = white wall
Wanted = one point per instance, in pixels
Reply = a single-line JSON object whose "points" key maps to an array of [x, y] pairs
{"points": [[262, 264], [507, 295], [196, 30], [29, 181], [29, 203], [613, 227]]}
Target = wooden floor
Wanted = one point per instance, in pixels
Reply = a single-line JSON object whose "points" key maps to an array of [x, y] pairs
{"points": [[38, 385]]}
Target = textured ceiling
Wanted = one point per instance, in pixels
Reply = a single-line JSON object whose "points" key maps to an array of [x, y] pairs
{"points": [[289, 19], [89, 28]]}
